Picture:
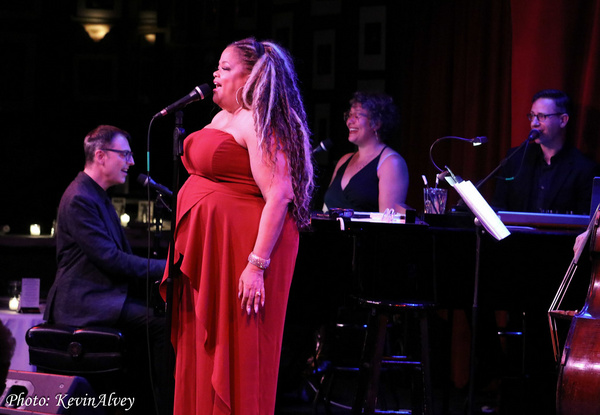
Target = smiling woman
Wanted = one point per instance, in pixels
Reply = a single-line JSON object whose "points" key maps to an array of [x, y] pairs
{"points": [[375, 177]]}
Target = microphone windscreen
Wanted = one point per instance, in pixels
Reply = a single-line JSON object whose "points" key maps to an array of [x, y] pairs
{"points": [[327, 144], [324, 145], [205, 91], [143, 179], [533, 134]]}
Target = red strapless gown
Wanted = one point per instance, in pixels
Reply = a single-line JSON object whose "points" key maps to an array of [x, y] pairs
{"points": [[226, 361]]}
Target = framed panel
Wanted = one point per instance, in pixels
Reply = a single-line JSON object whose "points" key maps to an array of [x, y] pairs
{"points": [[323, 59], [323, 7], [120, 204], [22, 9], [211, 14], [322, 123], [282, 29], [245, 14], [98, 9], [371, 45], [145, 211], [371, 85]]}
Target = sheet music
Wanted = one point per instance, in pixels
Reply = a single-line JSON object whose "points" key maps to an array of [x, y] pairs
{"points": [[481, 209]]}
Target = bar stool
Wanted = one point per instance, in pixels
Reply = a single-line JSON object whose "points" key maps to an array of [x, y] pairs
{"points": [[381, 312], [69, 350], [95, 353], [340, 366]]}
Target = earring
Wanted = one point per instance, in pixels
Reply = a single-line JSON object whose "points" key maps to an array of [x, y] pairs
{"points": [[236, 96]]}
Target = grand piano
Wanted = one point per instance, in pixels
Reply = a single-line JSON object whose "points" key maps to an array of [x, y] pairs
{"points": [[434, 259]]}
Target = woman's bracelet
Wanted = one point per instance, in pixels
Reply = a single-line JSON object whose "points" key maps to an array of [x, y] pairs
{"points": [[258, 261]]}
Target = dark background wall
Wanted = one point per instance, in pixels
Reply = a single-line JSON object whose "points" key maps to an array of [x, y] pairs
{"points": [[448, 65]]}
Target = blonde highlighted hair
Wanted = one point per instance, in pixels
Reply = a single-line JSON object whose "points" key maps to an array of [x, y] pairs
{"points": [[272, 94]]}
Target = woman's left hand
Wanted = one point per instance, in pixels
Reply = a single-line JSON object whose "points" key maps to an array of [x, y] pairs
{"points": [[251, 288]]}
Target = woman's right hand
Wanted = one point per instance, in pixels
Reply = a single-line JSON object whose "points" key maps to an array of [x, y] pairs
{"points": [[251, 289]]}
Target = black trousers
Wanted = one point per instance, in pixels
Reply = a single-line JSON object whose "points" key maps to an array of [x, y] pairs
{"points": [[149, 355]]}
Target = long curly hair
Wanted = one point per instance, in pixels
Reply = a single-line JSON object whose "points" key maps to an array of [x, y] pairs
{"points": [[272, 93]]}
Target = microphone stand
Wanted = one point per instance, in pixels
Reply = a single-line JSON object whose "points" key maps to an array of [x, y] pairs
{"points": [[178, 136], [502, 163], [159, 208], [482, 212], [474, 317]]}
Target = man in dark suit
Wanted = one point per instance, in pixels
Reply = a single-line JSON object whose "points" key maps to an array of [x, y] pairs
{"points": [[550, 176], [96, 268]]}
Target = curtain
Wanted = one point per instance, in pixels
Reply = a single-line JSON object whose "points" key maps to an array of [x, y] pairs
{"points": [[556, 44], [455, 82], [469, 68]]}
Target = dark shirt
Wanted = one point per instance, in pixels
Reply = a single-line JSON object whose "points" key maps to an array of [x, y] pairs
{"points": [[362, 191], [563, 186]]}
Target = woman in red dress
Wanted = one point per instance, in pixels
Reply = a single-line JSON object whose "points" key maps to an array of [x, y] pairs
{"points": [[236, 237]]}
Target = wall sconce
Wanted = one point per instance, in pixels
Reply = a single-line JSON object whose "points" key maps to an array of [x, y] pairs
{"points": [[96, 31], [150, 38]]}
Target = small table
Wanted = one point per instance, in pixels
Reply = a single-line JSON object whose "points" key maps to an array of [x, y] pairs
{"points": [[18, 324]]}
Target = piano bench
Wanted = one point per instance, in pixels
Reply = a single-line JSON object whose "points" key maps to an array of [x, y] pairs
{"points": [[74, 351], [374, 359]]}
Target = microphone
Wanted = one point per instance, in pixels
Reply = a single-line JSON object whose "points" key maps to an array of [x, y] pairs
{"points": [[324, 145], [146, 181], [533, 134], [477, 141], [200, 92]]}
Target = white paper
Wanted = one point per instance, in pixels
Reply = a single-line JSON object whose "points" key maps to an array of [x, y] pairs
{"points": [[377, 217], [30, 293], [481, 209]]}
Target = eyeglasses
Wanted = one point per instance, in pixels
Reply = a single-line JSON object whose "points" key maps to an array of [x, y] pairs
{"points": [[354, 115], [540, 116], [126, 154]]}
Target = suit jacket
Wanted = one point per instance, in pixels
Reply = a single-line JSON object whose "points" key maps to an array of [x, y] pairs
{"points": [[570, 190], [95, 265]]}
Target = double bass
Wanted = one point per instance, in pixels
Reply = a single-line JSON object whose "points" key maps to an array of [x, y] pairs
{"points": [[578, 384]]}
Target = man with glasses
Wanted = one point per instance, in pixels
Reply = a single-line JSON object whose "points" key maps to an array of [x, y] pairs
{"points": [[97, 271], [548, 174]]}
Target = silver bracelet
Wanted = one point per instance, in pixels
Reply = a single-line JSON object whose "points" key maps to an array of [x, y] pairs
{"points": [[258, 261]]}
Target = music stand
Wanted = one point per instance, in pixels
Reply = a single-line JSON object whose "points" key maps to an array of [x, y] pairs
{"points": [[486, 217]]}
